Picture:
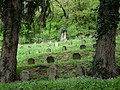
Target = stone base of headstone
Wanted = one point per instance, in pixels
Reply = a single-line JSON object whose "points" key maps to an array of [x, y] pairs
{"points": [[25, 75], [76, 56], [64, 48], [28, 52], [50, 59], [31, 61], [48, 50], [52, 72]]}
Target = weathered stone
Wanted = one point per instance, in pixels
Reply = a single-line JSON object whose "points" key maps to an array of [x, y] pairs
{"points": [[52, 72], [83, 41], [76, 56], [63, 33], [81, 38], [64, 48], [82, 46], [49, 43], [31, 61], [25, 75], [48, 50], [28, 52], [70, 42], [29, 46], [37, 51], [50, 59], [79, 70], [56, 44]]}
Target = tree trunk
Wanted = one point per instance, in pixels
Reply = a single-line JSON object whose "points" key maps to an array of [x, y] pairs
{"points": [[12, 23], [104, 65]]}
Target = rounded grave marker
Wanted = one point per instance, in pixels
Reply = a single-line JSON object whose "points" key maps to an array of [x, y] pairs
{"points": [[70, 42], [50, 59], [82, 46], [29, 46], [31, 61], [25, 75], [76, 56], [48, 50], [64, 48], [28, 52], [37, 51]]}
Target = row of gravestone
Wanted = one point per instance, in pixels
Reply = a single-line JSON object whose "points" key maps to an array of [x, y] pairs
{"points": [[64, 48], [49, 44], [53, 73], [51, 59]]}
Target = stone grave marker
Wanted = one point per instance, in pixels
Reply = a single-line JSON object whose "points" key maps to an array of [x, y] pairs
{"points": [[64, 48], [70, 42], [56, 44], [76, 56], [48, 50], [31, 61], [25, 75], [83, 41], [82, 46], [63, 33], [29, 46], [49, 43], [50, 59], [79, 70], [81, 38], [28, 52], [37, 51], [52, 72]]}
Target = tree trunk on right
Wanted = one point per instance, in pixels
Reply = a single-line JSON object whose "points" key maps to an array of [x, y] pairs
{"points": [[104, 65]]}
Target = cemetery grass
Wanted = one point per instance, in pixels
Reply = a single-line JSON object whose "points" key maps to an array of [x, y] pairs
{"points": [[70, 83]]}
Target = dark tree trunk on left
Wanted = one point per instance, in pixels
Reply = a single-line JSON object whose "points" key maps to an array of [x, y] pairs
{"points": [[12, 22]]}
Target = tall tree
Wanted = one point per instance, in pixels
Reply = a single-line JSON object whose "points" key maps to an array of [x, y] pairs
{"points": [[11, 16], [104, 65]]}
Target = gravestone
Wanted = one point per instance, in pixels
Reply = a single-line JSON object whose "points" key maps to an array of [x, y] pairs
{"points": [[63, 33], [56, 44], [25, 75], [28, 52], [50, 59], [37, 51], [83, 41], [94, 45], [81, 38], [76, 56], [79, 70], [52, 72], [64, 48], [48, 50], [82, 46], [31, 61], [70, 42], [49, 43], [29, 46]]}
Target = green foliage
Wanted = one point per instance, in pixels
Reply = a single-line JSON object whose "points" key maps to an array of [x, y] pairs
{"points": [[82, 83]]}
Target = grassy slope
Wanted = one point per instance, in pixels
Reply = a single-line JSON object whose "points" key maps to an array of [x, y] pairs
{"points": [[81, 83]]}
